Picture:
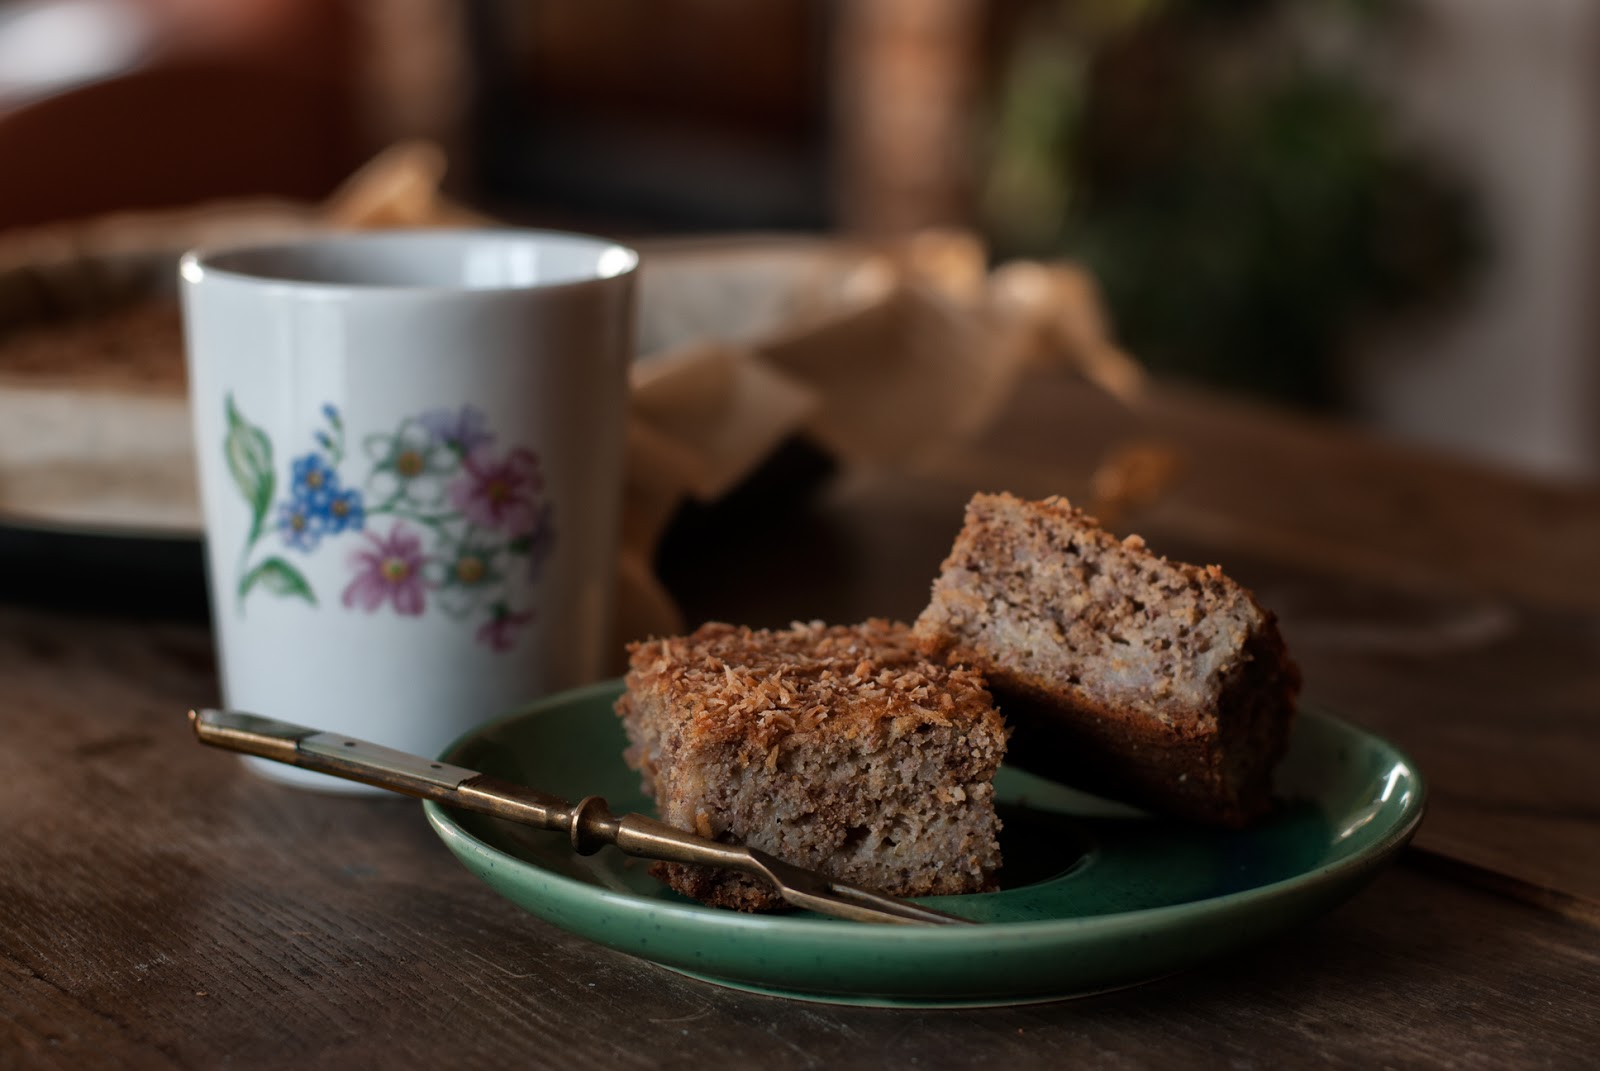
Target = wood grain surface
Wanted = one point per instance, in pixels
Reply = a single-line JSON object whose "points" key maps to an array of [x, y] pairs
{"points": [[161, 908]]}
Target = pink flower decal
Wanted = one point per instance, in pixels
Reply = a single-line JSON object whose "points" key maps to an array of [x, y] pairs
{"points": [[390, 570], [500, 631], [498, 493]]}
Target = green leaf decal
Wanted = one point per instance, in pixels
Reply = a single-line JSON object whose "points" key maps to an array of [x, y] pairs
{"points": [[249, 454], [278, 577]]}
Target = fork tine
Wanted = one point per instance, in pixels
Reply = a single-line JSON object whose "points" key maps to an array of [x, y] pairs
{"points": [[828, 902], [901, 909], [817, 892]]}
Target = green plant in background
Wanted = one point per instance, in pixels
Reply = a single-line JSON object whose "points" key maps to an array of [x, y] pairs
{"points": [[1226, 172]]}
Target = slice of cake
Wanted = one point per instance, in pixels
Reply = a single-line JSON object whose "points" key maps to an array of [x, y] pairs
{"points": [[1157, 682], [838, 749]]}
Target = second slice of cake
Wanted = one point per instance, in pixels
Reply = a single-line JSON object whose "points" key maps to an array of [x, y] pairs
{"points": [[1155, 681], [839, 749]]}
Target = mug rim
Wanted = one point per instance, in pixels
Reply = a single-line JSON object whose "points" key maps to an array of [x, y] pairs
{"points": [[200, 264]]}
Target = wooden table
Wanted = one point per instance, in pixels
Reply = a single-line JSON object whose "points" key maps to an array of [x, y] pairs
{"points": [[160, 908]]}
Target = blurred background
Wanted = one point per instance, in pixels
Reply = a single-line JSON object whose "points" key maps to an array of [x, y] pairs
{"points": [[1380, 211]]}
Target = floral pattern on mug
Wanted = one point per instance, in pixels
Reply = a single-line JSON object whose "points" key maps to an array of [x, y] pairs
{"points": [[443, 519]]}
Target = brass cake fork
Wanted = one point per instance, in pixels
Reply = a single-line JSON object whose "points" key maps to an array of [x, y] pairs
{"points": [[589, 823]]}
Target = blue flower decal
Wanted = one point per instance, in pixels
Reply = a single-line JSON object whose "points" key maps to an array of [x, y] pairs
{"points": [[300, 524], [318, 505], [312, 475], [345, 511]]}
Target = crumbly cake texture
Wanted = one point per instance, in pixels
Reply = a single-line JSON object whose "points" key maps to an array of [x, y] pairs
{"points": [[1160, 683], [840, 749]]}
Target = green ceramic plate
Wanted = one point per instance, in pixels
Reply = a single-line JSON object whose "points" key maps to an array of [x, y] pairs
{"points": [[1095, 895]]}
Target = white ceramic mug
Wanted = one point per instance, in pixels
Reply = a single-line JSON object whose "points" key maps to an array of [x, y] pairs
{"points": [[410, 458]]}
